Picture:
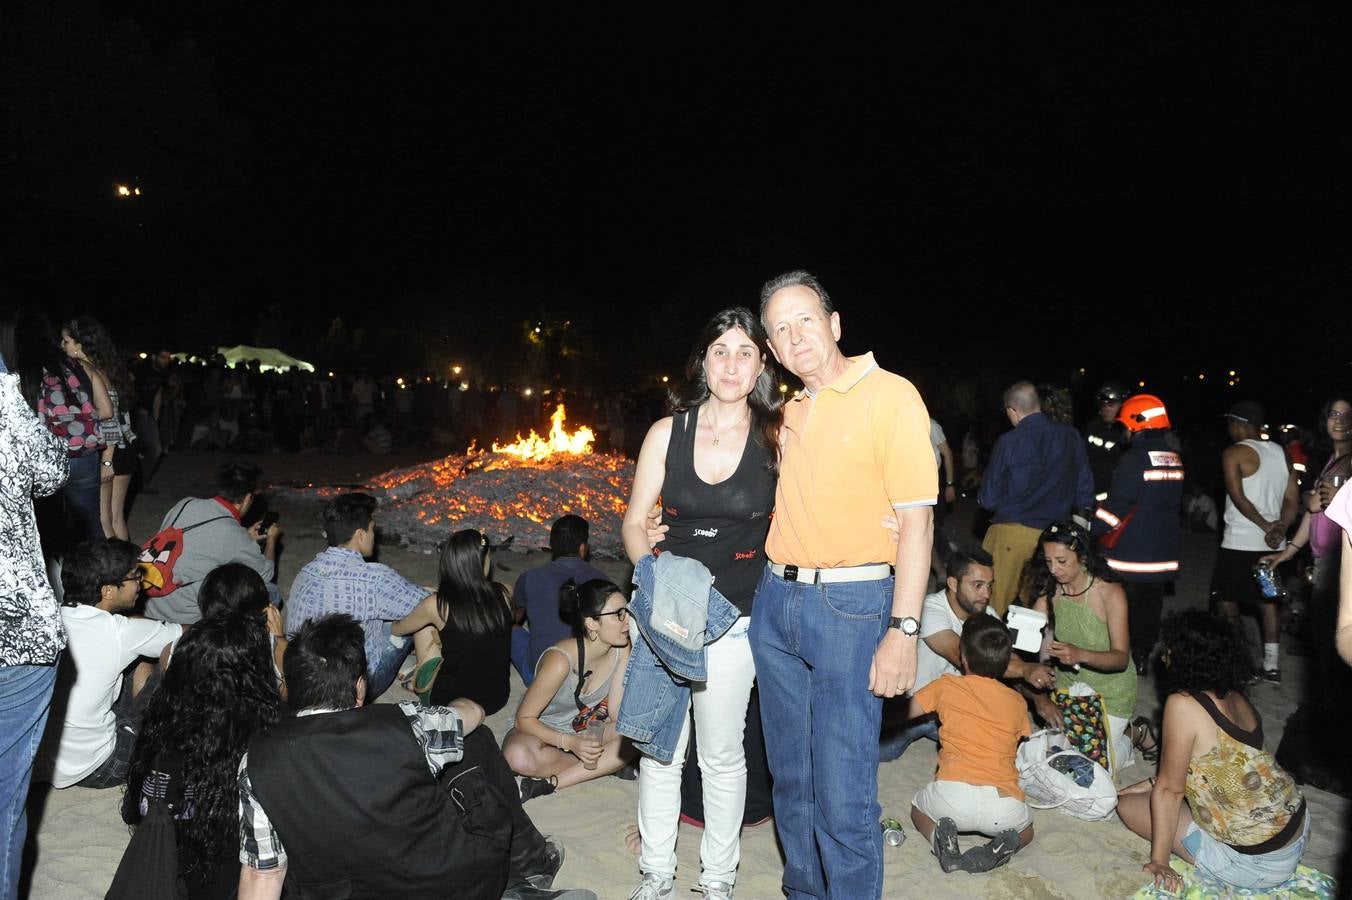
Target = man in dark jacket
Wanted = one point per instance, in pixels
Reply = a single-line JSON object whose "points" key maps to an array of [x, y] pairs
{"points": [[381, 801], [1138, 522]]}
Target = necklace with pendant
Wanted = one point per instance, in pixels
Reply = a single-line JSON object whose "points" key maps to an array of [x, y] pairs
{"points": [[735, 425]]}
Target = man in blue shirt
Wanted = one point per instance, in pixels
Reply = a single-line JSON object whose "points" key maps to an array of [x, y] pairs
{"points": [[536, 595], [340, 580], [1038, 474]]}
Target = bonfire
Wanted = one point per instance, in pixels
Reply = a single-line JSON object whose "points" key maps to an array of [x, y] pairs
{"points": [[513, 491]]}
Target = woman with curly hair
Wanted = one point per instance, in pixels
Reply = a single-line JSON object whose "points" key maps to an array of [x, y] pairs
{"points": [[473, 614], [219, 690], [1087, 610], [87, 342], [1245, 822]]}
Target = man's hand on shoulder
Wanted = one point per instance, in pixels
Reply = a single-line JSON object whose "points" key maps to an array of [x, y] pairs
{"points": [[893, 669]]}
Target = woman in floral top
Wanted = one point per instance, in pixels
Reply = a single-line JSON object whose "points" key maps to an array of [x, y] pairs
{"points": [[32, 463]]}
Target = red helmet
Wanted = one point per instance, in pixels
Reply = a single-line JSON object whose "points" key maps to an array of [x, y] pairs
{"points": [[1142, 411]]}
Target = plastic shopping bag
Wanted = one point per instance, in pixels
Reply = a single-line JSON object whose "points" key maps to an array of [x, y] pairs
{"points": [[1055, 775]]}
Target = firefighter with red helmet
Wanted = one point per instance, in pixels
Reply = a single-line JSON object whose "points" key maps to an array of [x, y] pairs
{"points": [[1137, 523]]}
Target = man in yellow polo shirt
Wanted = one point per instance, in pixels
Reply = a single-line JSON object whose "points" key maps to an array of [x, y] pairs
{"points": [[833, 631]]}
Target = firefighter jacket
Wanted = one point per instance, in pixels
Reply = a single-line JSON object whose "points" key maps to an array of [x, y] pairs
{"points": [[1103, 444], [1138, 522]]}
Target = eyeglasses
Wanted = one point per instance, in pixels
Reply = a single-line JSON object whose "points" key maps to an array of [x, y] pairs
{"points": [[136, 578], [1336, 414], [621, 614]]}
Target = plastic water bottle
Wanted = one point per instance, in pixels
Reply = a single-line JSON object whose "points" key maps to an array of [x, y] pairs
{"points": [[893, 836], [1268, 581]]}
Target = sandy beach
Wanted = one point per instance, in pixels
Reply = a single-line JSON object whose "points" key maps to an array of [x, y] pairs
{"points": [[80, 836]]}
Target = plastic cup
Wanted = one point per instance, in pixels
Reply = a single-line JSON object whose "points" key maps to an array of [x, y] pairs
{"points": [[595, 734]]}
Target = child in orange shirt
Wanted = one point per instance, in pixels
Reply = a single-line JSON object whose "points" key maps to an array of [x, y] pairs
{"points": [[981, 723]]}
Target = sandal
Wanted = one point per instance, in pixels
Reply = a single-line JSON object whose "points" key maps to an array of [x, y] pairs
{"points": [[1142, 729], [425, 675]]}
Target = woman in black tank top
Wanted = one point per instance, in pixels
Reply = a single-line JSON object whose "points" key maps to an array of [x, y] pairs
{"points": [[712, 467]]}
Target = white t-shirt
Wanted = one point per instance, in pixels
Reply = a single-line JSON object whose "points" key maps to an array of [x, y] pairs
{"points": [[100, 646], [936, 616], [937, 437]]}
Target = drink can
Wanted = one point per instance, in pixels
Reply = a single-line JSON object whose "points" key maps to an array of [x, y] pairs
{"points": [[893, 836]]}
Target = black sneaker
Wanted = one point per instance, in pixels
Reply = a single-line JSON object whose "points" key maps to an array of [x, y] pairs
{"points": [[535, 787], [550, 865], [526, 892], [1272, 676], [946, 844]]}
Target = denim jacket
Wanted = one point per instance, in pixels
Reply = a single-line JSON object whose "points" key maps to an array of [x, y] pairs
{"points": [[677, 611]]}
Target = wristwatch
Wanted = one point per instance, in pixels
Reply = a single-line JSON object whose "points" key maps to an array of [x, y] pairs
{"points": [[909, 626]]}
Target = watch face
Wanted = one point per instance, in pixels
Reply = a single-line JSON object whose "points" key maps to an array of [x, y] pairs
{"points": [[908, 625]]}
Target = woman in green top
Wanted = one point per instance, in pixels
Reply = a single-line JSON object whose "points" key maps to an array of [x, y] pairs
{"points": [[1088, 614]]}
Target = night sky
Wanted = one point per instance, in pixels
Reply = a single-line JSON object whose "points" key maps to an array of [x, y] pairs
{"points": [[1139, 189]]}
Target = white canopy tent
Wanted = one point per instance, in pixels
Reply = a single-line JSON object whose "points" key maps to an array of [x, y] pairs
{"points": [[269, 359]]}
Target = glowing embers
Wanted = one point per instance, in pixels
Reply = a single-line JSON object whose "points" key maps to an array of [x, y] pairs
{"points": [[518, 490]]}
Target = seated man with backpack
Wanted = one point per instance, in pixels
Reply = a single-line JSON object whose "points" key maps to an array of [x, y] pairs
{"points": [[386, 800], [198, 535]]}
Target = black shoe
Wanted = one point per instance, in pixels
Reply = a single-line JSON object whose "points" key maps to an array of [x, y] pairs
{"points": [[1272, 676], [946, 845], [550, 865], [991, 855], [526, 892], [628, 772], [535, 787]]}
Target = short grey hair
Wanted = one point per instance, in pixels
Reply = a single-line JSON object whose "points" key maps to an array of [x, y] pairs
{"points": [[1022, 397], [790, 279]]}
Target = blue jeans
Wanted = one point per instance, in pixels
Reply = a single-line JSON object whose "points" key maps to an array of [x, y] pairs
{"points": [[813, 645], [82, 496], [383, 659], [25, 699], [520, 646], [894, 744]]}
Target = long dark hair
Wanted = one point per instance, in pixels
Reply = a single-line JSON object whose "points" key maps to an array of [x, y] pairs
{"points": [[219, 690], [102, 352], [1037, 578], [467, 599], [233, 589], [1323, 444], [764, 400], [577, 603], [1203, 652], [36, 354]]}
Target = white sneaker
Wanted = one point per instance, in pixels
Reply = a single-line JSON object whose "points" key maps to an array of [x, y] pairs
{"points": [[716, 890], [654, 887]]}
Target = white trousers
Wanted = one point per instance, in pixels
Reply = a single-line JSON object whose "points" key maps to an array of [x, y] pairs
{"points": [[720, 718]]}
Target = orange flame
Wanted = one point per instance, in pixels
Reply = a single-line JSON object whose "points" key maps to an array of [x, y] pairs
{"points": [[534, 447]]}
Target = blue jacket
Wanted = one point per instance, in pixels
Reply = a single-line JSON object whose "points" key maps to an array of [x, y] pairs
{"points": [[1038, 474], [1139, 518], [677, 612]]}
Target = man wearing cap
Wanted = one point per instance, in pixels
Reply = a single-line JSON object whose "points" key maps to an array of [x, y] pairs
{"points": [[1137, 521], [835, 631], [1261, 500], [1038, 474]]}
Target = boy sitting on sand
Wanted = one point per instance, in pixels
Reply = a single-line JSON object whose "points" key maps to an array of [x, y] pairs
{"points": [[981, 722]]}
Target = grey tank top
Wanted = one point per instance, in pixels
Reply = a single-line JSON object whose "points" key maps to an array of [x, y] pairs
{"points": [[562, 709]]}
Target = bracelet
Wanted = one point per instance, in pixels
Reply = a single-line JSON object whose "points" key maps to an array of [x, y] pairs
{"points": [[106, 462]]}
